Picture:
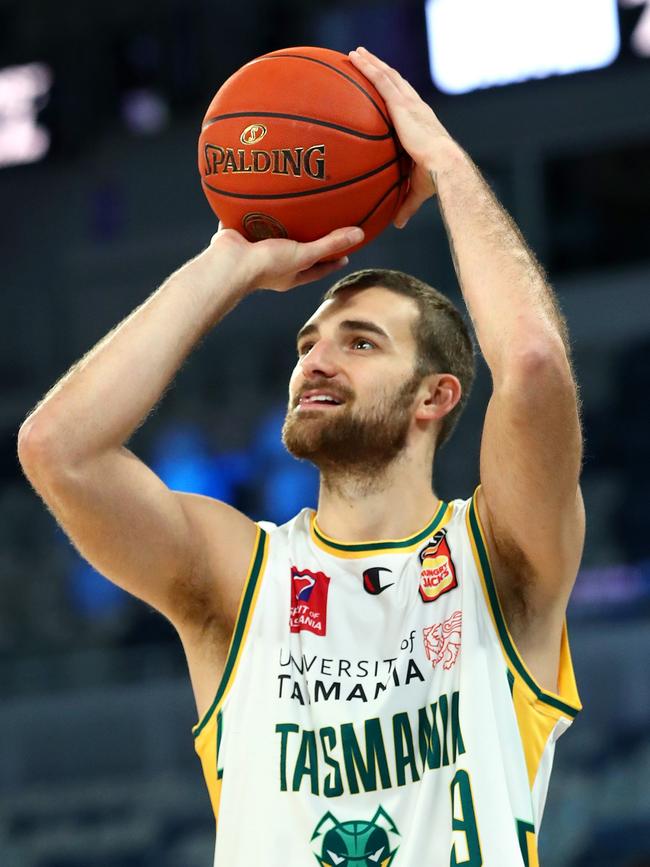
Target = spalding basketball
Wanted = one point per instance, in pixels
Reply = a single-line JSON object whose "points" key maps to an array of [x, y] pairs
{"points": [[297, 143]]}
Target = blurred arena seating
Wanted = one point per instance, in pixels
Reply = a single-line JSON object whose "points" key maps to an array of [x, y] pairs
{"points": [[97, 767]]}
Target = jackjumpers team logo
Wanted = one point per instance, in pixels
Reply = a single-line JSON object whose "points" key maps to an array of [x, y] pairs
{"points": [[442, 641], [308, 601], [356, 843], [437, 573]]}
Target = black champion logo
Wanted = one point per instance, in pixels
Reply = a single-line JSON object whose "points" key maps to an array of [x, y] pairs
{"points": [[372, 581]]}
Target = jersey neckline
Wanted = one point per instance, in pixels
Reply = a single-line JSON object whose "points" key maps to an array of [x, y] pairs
{"points": [[386, 546]]}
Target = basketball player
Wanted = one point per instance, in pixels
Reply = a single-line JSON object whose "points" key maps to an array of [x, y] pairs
{"points": [[382, 681]]}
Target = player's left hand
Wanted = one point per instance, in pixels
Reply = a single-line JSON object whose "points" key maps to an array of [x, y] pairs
{"points": [[417, 127]]}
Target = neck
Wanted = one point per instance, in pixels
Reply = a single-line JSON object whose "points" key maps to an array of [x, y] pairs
{"points": [[391, 504]]}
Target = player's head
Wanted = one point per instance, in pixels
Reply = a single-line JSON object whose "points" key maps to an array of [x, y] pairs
{"points": [[395, 355]]}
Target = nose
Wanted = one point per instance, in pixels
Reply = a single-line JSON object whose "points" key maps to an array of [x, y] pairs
{"points": [[320, 360]]}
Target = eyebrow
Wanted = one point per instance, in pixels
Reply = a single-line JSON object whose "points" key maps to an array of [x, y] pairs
{"points": [[346, 325]]}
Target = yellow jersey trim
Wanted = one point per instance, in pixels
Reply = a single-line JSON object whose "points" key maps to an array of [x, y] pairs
{"points": [[537, 710], [365, 549]]}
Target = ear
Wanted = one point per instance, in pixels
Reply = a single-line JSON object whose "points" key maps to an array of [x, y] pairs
{"points": [[439, 394]]}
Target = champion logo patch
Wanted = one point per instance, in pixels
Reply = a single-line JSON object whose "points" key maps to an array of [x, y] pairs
{"points": [[373, 581], [308, 610], [437, 571]]}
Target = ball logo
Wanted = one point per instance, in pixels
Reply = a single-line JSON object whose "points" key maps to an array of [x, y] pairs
{"points": [[253, 133], [259, 226], [437, 572], [308, 609], [296, 162]]}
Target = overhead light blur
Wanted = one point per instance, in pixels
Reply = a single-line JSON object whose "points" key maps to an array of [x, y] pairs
{"points": [[24, 90], [475, 44], [641, 36], [144, 111]]}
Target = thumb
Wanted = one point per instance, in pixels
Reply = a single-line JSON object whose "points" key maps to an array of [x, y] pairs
{"points": [[330, 246], [409, 206]]}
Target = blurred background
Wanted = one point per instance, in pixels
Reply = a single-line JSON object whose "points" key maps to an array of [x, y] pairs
{"points": [[100, 110]]}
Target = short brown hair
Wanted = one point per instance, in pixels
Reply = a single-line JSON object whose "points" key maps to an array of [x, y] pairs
{"points": [[443, 341]]}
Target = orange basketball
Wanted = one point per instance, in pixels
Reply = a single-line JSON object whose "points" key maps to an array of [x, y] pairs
{"points": [[297, 143]]}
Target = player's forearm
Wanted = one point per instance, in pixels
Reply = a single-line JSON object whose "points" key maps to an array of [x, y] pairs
{"points": [[105, 396], [510, 302]]}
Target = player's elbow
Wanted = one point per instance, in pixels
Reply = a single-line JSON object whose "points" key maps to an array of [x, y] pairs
{"points": [[538, 365], [37, 447], [538, 386]]}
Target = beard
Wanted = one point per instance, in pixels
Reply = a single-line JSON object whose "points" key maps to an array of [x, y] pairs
{"points": [[352, 442]]}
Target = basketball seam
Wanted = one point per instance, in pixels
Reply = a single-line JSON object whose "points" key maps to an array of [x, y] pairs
{"points": [[397, 184], [300, 117], [300, 193], [339, 72]]}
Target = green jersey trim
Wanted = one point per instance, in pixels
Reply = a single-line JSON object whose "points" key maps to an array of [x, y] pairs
{"points": [[242, 624], [504, 636]]}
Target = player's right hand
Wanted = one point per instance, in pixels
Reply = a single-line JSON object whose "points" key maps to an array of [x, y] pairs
{"points": [[280, 264]]}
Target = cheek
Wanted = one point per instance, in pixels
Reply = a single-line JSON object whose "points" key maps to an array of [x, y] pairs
{"points": [[294, 379]]}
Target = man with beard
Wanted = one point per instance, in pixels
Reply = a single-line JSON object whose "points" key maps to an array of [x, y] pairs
{"points": [[359, 701]]}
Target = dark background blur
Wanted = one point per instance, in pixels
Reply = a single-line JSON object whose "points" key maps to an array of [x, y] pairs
{"points": [[96, 760]]}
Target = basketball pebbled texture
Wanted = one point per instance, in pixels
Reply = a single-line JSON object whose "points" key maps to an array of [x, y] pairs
{"points": [[297, 143]]}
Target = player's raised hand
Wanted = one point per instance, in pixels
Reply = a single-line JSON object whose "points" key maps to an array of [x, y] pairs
{"points": [[280, 264], [416, 124]]}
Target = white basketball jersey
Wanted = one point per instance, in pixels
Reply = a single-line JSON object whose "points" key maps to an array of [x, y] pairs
{"points": [[374, 709]]}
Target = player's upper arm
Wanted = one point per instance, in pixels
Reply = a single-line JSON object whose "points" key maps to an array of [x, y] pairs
{"points": [[530, 500], [184, 554]]}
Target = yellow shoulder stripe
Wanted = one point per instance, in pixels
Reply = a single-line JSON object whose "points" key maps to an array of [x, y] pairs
{"points": [[537, 710]]}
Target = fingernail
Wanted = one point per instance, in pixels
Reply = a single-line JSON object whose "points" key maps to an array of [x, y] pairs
{"points": [[399, 224], [355, 235]]}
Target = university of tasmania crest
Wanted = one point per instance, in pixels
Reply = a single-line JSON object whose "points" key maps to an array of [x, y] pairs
{"points": [[442, 641], [437, 571]]}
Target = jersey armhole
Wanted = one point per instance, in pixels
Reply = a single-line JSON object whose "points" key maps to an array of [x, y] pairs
{"points": [[247, 603], [541, 715], [566, 702]]}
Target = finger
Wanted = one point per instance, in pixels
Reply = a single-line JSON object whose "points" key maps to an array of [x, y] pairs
{"points": [[399, 81], [411, 204], [331, 246], [220, 229], [320, 270], [384, 83]]}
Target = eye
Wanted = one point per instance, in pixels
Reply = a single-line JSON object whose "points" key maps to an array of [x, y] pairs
{"points": [[376, 855], [336, 859], [362, 343], [304, 348]]}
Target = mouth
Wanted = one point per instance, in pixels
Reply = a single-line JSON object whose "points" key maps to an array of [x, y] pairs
{"points": [[318, 400]]}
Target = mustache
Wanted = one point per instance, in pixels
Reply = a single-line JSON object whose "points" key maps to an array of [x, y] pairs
{"points": [[340, 392]]}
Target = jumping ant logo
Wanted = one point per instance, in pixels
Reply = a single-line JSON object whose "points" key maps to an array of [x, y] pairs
{"points": [[253, 133], [356, 843]]}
